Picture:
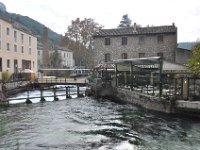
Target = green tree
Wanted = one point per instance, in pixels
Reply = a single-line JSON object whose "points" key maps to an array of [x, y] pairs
{"points": [[194, 61], [125, 22], [56, 60]]}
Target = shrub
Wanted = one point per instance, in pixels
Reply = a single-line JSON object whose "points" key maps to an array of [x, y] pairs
{"points": [[5, 75]]}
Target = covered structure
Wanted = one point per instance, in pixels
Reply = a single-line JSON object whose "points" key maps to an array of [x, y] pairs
{"points": [[137, 72], [153, 75]]}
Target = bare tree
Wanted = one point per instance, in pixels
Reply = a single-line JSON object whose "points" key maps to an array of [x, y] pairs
{"points": [[79, 38]]}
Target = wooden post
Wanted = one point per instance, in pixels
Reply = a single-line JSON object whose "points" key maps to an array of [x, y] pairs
{"points": [[28, 101], [66, 92], [41, 95], [116, 79], [131, 70], [78, 91], [160, 76], [54, 91]]}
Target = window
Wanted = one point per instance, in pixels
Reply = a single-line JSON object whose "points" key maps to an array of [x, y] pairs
{"points": [[8, 46], [0, 64], [160, 39], [0, 36], [22, 49], [141, 55], [33, 64], [38, 53], [29, 41], [30, 51], [124, 56], [160, 54], [8, 63], [8, 31], [107, 41], [22, 38], [141, 39], [124, 40], [15, 48], [15, 36], [64, 55], [107, 57]]}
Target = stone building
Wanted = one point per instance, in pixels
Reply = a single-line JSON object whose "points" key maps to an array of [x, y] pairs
{"points": [[135, 42]]}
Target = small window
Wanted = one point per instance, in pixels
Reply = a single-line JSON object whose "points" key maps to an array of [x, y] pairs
{"points": [[15, 48], [107, 57], [29, 41], [22, 38], [8, 46], [160, 54], [22, 49], [8, 31], [160, 39], [8, 63], [124, 56], [141, 55], [124, 40], [141, 39], [0, 64], [38, 53], [29, 51], [107, 41], [15, 36]]}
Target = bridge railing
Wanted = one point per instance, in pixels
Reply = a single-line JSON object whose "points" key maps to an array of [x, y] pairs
{"points": [[63, 80]]}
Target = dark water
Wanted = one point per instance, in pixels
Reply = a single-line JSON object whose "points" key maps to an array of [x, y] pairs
{"points": [[87, 123]]}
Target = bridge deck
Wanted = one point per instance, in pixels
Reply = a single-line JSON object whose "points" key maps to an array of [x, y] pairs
{"points": [[63, 81]]}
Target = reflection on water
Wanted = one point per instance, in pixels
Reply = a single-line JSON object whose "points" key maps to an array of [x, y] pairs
{"points": [[87, 123]]}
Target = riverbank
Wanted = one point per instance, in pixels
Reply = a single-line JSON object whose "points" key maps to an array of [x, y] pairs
{"points": [[146, 101]]}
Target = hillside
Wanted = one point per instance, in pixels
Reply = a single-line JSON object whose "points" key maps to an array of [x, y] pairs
{"points": [[35, 27], [187, 45]]}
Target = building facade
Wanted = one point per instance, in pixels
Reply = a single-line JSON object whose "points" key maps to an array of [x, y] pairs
{"points": [[66, 55], [18, 48], [135, 42]]}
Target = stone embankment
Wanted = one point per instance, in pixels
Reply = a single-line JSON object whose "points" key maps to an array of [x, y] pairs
{"points": [[105, 90]]}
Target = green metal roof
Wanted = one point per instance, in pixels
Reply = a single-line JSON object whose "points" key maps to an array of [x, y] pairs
{"points": [[139, 61]]}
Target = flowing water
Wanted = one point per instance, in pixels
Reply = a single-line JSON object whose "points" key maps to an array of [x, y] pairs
{"points": [[91, 124]]}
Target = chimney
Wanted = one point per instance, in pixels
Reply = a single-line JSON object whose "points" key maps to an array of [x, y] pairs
{"points": [[45, 48], [135, 27]]}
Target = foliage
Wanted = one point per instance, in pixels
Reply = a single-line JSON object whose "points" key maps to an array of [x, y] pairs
{"points": [[125, 22], [194, 61], [5, 75], [56, 60], [79, 38]]}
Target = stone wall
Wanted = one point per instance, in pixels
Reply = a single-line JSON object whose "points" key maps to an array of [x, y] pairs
{"points": [[150, 47], [145, 101]]}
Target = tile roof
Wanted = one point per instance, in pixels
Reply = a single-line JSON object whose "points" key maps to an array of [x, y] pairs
{"points": [[137, 31]]}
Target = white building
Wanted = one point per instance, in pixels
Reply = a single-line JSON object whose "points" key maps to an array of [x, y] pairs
{"points": [[66, 55]]}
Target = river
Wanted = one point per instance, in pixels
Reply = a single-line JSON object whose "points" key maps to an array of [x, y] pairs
{"points": [[93, 124]]}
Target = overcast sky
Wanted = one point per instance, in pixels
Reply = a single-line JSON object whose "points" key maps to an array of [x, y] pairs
{"points": [[58, 14]]}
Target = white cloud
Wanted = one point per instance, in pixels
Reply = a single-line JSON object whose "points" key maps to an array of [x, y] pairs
{"points": [[57, 15]]}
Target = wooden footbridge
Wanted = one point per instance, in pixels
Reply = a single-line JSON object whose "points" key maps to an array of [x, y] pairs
{"points": [[49, 84], [62, 81]]}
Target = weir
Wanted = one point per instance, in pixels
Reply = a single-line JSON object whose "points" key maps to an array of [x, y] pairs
{"points": [[43, 84], [54, 94]]}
